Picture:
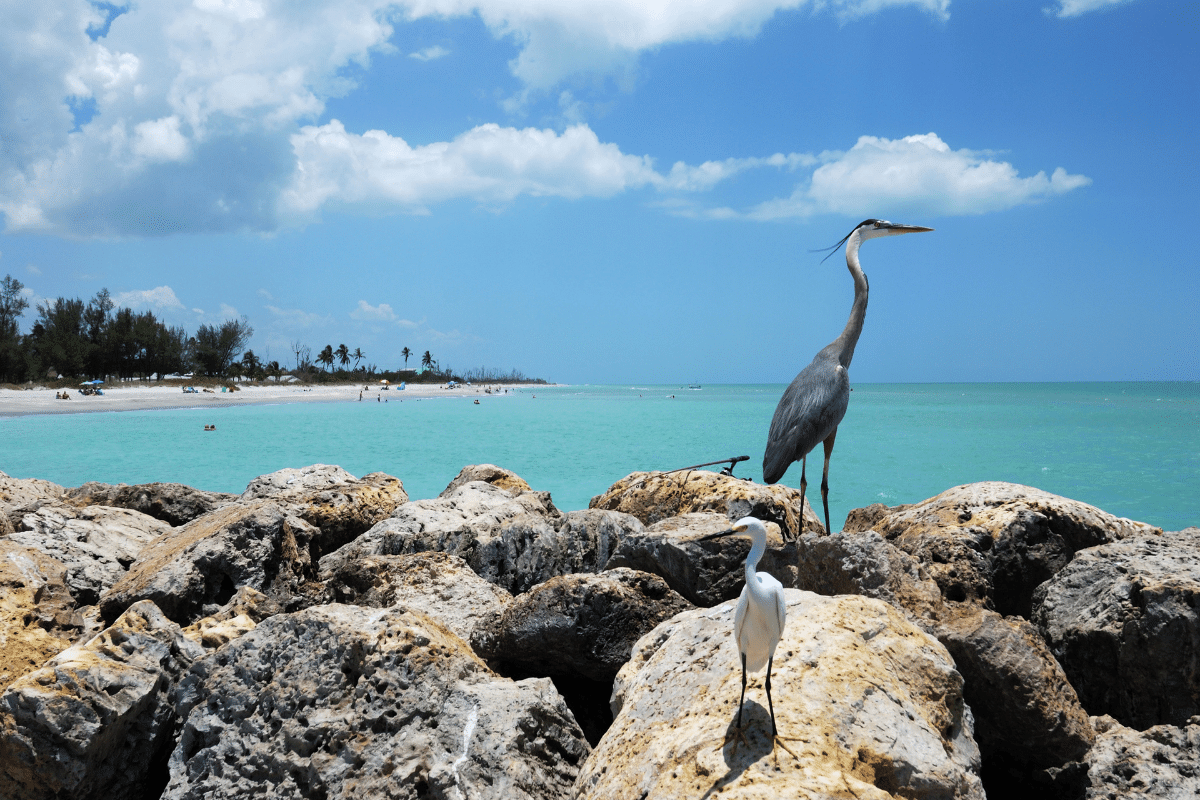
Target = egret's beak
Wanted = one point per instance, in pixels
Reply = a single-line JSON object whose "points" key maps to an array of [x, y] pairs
{"points": [[709, 537]]}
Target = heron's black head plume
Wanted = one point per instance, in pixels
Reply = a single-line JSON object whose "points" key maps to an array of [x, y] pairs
{"points": [[838, 246]]}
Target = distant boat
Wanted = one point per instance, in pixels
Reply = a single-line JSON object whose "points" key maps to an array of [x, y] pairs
{"points": [[694, 386]]}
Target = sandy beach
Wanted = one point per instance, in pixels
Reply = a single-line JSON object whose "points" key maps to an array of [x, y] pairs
{"points": [[142, 397]]}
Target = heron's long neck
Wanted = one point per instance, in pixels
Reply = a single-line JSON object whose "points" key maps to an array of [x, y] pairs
{"points": [[756, 553], [843, 346]]}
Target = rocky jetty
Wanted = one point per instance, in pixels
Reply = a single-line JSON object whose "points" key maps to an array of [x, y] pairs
{"points": [[321, 635]]}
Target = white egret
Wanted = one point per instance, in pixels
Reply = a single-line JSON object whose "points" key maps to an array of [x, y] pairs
{"points": [[761, 612], [813, 405]]}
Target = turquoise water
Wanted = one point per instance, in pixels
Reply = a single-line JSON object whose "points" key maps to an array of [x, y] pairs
{"points": [[1132, 449]]}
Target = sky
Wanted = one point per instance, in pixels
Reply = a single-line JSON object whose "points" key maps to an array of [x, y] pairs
{"points": [[610, 191]]}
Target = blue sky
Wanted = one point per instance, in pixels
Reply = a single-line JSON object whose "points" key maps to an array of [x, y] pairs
{"points": [[626, 190]]}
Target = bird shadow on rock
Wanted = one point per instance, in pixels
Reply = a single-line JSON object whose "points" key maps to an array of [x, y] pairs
{"points": [[741, 749]]}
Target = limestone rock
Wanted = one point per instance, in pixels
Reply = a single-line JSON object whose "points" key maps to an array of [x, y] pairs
{"points": [[19, 496], [36, 610], [655, 496], [196, 568], [346, 702], [292, 483], [705, 573], [1123, 619], [870, 706], [1161, 762], [489, 473], [582, 624], [96, 544], [437, 584], [994, 543], [1025, 710], [93, 720], [240, 615], [173, 503], [860, 520], [513, 542]]}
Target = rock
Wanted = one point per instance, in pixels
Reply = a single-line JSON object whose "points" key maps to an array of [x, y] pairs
{"points": [[173, 503], [582, 625], [20, 496], [861, 520], [96, 544], [513, 542], [502, 478], [194, 569], [1123, 619], [1161, 762], [866, 564], [705, 573], [240, 615], [994, 543], [437, 584], [289, 483], [870, 706], [93, 721], [655, 496], [1026, 712], [345, 702], [37, 618]]}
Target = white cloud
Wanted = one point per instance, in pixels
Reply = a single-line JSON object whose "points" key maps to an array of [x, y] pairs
{"points": [[489, 164], [369, 313], [294, 318], [1073, 8], [704, 177], [160, 140], [430, 53], [918, 173], [162, 297], [33, 269], [229, 312]]}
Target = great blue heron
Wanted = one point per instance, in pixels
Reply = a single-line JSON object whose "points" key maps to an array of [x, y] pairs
{"points": [[813, 405], [761, 612]]}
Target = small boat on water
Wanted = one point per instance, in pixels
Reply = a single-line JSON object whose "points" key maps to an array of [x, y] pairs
{"points": [[695, 386]]}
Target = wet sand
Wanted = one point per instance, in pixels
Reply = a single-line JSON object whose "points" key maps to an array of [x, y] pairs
{"points": [[135, 397]]}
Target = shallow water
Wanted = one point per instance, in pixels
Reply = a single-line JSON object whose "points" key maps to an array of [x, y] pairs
{"points": [[1132, 449]]}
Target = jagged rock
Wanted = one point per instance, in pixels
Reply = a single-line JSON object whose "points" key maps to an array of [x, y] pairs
{"points": [[240, 615], [173, 503], [92, 722], [290, 483], [488, 473], [20, 496], [193, 570], [861, 520], [870, 706], [656, 496], [513, 542], [345, 702], [1026, 712], [1161, 762], [994, 543], [582, 625], [1123, 619], [706, 573], [437, 584], [96, 544], [37, 618], [866, 564]]}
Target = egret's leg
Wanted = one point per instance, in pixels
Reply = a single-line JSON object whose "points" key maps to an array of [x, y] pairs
{"points": [[825, 478], [770, 705], [742, 699], [803, 486]]}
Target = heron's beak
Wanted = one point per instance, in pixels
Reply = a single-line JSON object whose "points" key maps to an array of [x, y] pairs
{"points": [[711, 536], [907, 228]]}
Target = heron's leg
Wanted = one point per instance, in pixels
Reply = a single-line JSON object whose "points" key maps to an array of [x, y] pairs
{"points": [[770, 705], [825, 478], [803, 486]]}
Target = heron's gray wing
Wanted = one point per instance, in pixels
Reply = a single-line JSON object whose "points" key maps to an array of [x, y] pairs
{"points": [[810, 410]]}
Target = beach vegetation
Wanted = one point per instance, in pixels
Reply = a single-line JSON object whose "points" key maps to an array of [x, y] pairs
{"points": [[326, 357], [216, 347]]}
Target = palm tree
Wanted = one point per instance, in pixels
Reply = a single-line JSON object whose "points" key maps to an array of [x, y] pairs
{"points": [[427, 360], [406, 353], [275, 370], [358, 356], [343, 354], [326, 356]]}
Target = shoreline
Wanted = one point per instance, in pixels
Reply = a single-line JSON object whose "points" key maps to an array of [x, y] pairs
{"points": [[42, 401]]}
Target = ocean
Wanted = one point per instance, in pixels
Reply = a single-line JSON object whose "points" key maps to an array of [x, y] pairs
{"points": [[1132, 449]]}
